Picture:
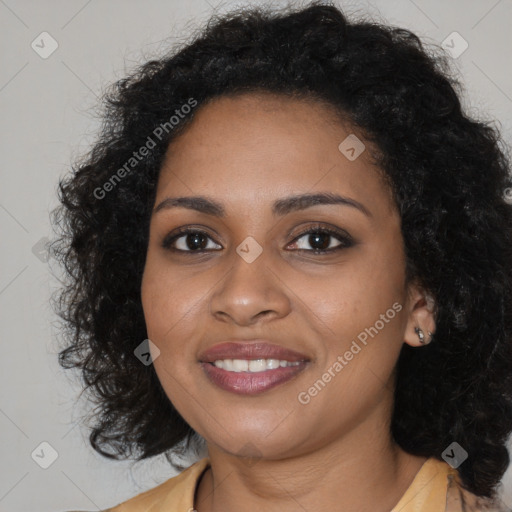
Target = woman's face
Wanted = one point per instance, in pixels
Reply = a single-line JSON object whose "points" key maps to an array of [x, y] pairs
{"points": [[252, 275]]}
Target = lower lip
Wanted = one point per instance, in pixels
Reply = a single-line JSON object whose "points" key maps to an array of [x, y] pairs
{"points": [[246, 383]]}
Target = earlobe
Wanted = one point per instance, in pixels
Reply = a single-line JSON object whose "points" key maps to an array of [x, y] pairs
{"points": [[421, 321]]}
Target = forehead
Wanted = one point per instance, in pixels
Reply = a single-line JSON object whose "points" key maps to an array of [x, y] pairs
{"points": [[244, 145]]}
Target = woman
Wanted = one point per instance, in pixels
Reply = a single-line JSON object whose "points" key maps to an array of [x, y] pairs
{"points": [[290, 243]]}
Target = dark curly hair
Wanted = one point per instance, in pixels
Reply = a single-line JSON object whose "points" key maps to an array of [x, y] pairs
{"points": [[448, 174]]}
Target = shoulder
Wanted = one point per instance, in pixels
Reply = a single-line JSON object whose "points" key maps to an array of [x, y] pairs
{"points": [[176, 493], [437, 487], [459, 499]]}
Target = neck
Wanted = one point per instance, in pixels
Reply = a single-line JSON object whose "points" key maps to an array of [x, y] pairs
{"points": [[352, 473]]}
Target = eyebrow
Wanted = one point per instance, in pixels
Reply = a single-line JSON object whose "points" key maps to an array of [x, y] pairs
{"points": [[280, 207]]}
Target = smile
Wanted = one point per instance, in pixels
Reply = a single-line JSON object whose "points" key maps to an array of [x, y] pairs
{"points": [[253, 366], [250, 377]]}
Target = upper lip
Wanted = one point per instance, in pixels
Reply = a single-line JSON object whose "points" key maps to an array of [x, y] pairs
{"points": [[253, 349]]}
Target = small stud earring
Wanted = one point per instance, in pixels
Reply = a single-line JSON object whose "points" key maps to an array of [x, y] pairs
{"points": [[421, 336]]}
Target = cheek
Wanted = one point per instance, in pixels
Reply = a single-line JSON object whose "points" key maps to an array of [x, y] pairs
{"points": [[358, 313], [167, 300], [165, 307], [175, 312], [156, 304], [349, 300]]}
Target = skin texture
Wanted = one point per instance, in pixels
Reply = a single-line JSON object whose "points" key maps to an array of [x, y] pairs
{"points": [[336, 452]]}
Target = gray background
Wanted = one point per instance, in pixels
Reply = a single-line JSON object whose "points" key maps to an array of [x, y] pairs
{"points": [[48, 119]]}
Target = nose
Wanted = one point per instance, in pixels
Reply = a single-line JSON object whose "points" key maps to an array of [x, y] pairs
{"points": [[249, 293]]}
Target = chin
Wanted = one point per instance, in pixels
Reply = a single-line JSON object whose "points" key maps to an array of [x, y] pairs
{"points": [[261, 444]]}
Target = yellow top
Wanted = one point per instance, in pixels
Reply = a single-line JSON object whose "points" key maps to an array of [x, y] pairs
{"points": [[435, 488]]}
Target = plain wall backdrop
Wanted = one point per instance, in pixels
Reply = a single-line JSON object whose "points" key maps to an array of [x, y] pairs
{"points": [[49, 91]]}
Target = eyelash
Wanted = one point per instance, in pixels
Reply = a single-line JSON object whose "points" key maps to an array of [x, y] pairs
{"points": [[346, 241]]}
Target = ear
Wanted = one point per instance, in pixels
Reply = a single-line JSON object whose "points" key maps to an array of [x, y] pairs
{"points": [[420, 309]]}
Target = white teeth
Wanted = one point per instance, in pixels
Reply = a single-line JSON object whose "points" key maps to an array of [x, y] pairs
{"points": [[253, 366], [257, 365], [240, 365]]}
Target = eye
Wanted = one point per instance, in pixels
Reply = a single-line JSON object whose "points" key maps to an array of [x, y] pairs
{"points": [[320, 238], [193, 240], [188, 240]]}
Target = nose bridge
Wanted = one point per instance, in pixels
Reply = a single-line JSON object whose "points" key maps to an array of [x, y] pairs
{"points": [[250, 264], [250, 286], [251, 258]]}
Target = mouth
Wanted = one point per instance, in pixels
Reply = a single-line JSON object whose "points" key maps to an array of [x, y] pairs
{"points": [[251, 368], [252, 365]]}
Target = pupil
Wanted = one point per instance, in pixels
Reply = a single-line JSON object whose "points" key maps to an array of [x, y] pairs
{"points": [[197, 239], [313, 239]]}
